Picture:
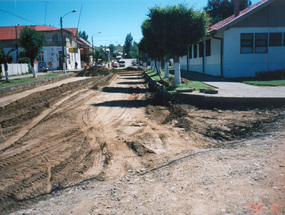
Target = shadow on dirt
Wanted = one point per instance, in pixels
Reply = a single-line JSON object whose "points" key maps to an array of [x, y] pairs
{"points": [[128, 90], [132, 83], [124, 103]]}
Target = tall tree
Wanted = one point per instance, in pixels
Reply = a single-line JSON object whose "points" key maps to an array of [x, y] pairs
{"points": [[185, 26], [32, 42], [112, 49], [83, 35], [222, 9], [128, 46]]}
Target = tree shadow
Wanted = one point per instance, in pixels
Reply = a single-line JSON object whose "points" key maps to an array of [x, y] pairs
{"points": [[132, 83], [124, 103], [129, 90]]}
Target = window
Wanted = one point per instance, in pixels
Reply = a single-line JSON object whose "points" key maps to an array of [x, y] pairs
{"points": [[208, 47], [49, 37], [201, 49], [41, 56], [283, 39], [190, 52], [195, 51], [261, 43], [59, 37], [246, 44], [275, 39]]}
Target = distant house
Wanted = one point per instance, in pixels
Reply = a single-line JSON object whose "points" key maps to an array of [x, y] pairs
{"points": [[252, 40], [52, 50]]}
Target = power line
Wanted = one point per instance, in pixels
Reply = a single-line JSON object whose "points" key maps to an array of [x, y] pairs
{"points": [[23, 18]]}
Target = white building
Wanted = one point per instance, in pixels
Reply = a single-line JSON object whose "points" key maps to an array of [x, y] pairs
{"points": [[251, 41], [52, 49]]}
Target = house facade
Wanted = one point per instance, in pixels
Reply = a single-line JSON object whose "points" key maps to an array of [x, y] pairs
{"points": [[251, 41], [51, 53]]}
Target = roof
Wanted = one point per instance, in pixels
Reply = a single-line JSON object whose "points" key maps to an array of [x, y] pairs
{"points": [[72, 30], [222, 25], [83, 43], [9, 33]]}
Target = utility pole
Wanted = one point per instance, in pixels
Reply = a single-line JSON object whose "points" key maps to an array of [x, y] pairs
{"points": [[62, 42], [17, 42]]}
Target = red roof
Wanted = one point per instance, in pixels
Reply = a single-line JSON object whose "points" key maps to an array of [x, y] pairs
{"points": [[72, 30], [9, 33], [244, 13]]}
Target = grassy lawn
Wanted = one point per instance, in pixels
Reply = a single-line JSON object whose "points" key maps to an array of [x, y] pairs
{"points": [[272, 83], [186, 83], [3, 83]]}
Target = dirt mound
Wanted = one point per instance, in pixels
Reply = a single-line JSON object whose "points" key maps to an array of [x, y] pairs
{"points": [[183, 81], [220, 125], [139, 148], [133, 69], [93, 71]]}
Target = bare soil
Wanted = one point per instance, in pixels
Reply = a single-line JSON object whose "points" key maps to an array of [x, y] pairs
{"points": [[100, 146]]}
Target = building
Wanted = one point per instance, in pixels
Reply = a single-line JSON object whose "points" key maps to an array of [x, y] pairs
{"points": [[250, 41], [52, 50]]}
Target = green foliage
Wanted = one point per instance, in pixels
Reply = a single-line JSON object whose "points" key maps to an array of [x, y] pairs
{"points": [[128, 46], [112, 49], [170, 30], [83, 35], [24, 60], [5, 58], [32, 42], [222, 9]]}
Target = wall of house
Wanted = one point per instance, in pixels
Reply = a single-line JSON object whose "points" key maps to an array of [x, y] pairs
{"points": [[212, 62], [246, 65]]}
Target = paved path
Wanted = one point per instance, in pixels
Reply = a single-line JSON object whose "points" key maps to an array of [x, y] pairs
{"points": [[235, 89], [11, 98]]}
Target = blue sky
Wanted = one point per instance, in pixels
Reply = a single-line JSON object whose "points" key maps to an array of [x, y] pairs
{"points": [[113, 18]]}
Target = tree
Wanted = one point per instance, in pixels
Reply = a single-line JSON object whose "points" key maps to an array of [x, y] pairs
{"points": [[112, 49], [134, 50], [222, 9], [5, 58], [128, 46], [83, 35], [32, 42]]}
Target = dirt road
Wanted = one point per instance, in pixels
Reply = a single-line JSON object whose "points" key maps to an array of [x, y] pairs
{"points": [[105, 132]]}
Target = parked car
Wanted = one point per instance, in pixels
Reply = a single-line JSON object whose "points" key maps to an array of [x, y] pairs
{"points": [[122, 63], [42, 67], [115, 64]]}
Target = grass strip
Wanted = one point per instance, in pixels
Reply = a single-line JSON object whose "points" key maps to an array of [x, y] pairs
{"points": [[273, 83], [17, 81], [185, 83]]}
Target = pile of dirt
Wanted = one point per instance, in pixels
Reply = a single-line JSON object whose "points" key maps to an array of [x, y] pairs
{"points": [[93, 71], [214, 124], [183, 81]]}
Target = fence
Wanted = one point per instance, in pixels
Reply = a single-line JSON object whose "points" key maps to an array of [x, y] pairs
{"points": [[16, 69]]}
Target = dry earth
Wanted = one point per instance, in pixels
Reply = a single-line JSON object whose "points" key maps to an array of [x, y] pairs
{"points": [[99, 146]]}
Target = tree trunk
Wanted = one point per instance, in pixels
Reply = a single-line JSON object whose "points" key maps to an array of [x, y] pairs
{"points": [[158, 67], [34, 72], [177, 73], [166, 68], [6, 72]]}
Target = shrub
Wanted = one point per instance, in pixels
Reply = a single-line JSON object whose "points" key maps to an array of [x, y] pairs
{"points": [[273, 75]]}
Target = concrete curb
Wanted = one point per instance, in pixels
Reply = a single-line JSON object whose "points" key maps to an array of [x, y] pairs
{"points": [[29, 85], [210, 101], [155, 86]]}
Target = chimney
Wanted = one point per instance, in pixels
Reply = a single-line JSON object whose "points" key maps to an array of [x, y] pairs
{"points": [[236, 7]]}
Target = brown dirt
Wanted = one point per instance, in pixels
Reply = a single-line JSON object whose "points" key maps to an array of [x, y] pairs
{"points": [[106, 128]]}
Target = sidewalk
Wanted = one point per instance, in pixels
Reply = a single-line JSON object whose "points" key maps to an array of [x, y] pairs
{"points": [[227, 88]]}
